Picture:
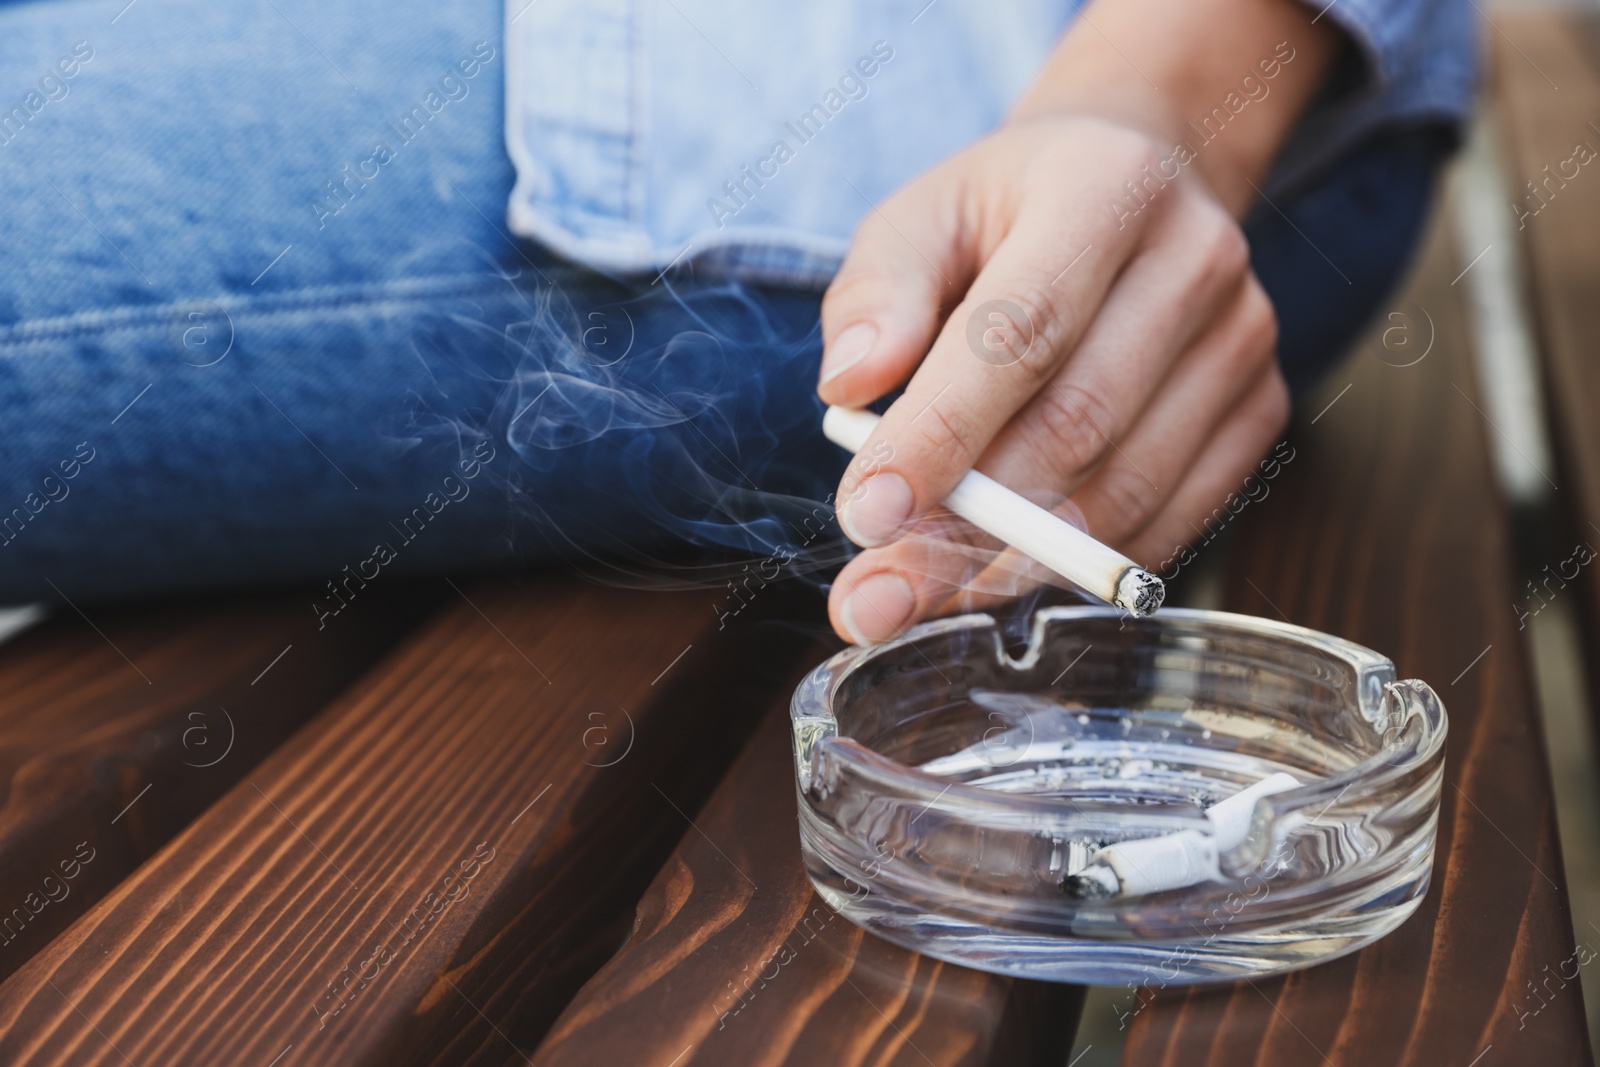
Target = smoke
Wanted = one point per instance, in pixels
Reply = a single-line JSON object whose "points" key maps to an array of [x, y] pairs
{"points": [[664, 435]]}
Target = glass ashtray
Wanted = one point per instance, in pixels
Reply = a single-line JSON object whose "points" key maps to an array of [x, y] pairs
{"points": [[1194, 796]]}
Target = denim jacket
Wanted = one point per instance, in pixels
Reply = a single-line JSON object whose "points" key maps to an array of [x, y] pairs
{"points": [[747, 139]]}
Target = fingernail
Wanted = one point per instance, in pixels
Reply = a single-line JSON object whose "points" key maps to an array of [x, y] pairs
{"points": [[848, 349], [878, 609], [877, 510]]}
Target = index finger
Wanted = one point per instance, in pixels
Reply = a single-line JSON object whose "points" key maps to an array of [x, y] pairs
{"points": [[1022, 316]]}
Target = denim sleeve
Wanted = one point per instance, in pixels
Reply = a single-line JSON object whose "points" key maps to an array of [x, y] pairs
{"points": [[1391, 35], [1411, 63]]}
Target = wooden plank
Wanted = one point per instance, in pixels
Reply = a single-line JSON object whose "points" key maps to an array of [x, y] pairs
{"points": [[428, 870], [115, 733], [1543, 127], [734, 959], [1386, 529]]}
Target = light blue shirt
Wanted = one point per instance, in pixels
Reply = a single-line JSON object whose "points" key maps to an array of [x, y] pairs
{"points": [[749, 138]]}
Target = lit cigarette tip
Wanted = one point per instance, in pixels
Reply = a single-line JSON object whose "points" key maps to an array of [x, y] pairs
{"points": [[1139, 592]]}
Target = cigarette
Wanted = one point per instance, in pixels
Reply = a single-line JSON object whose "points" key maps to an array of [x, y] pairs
{"points": [[1174, 861], [1103, 572]]}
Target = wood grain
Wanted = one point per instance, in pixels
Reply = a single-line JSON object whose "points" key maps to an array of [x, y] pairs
{"points": [[116, 732], [1386, 529], [1542, 126], [734, 959], [426, 871]]}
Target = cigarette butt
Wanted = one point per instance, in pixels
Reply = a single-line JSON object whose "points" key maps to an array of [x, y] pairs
{"points": [[1173, 861], [1231, 817], [1099, 570], [1157, 864]]}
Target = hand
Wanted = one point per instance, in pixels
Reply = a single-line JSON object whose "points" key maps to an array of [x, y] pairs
{"points": [[1113, 363]]}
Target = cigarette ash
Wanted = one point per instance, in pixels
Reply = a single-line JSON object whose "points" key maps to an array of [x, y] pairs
{"points": [[1091, 884], [1139, 592]]}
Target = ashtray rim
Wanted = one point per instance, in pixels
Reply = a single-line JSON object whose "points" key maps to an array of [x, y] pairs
{"points": [[1374, 671]]}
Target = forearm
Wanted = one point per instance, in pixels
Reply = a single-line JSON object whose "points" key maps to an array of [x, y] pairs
{"points": [[1225, 78]]}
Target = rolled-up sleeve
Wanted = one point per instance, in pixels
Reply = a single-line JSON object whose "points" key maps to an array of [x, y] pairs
{"points": [[1412, 63]]}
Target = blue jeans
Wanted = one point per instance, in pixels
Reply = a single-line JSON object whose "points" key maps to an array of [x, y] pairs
{"points": [[261, 321]]}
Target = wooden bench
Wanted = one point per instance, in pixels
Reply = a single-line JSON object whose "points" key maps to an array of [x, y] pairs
{"points": [[542, 821], [1550, 104], [1391, 533]]}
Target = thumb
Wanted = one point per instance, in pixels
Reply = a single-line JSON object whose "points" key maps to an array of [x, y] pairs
{"points": [[880, 314]]}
